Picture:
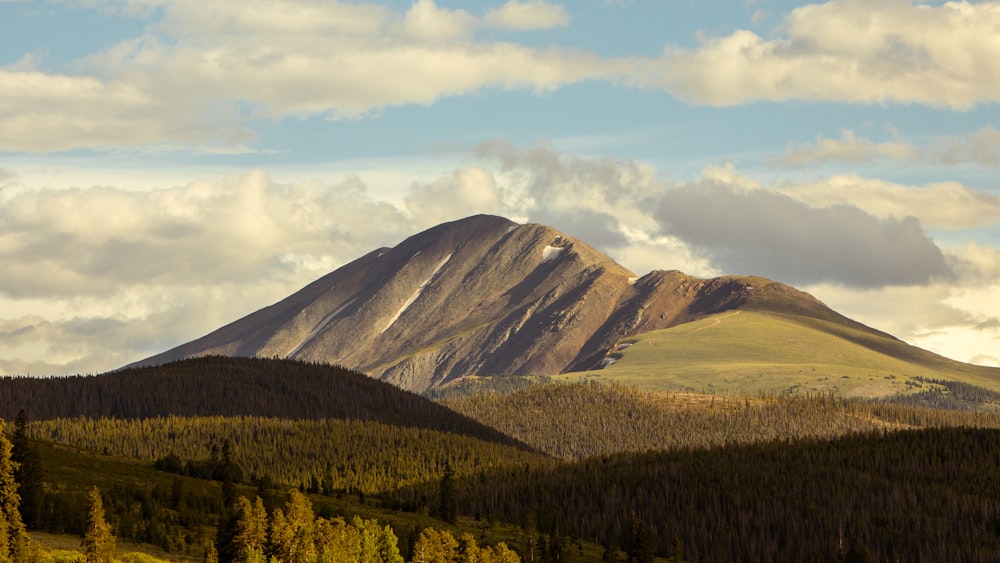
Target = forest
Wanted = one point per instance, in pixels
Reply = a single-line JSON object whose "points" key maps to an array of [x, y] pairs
{"points": [[543, 472]]}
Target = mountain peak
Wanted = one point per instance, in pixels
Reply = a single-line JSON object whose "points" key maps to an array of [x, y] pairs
{"points": [[478, 296]]}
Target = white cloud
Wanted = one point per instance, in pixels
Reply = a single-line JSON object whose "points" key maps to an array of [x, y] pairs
{"points": [[940, 205], [88, 241], [133, 272], [528, 15], [203, 70], [43, 112], [464, 192], [852, 51], [767, 233], [426, 21], [727, 220], [848, 148], [981, 147]]}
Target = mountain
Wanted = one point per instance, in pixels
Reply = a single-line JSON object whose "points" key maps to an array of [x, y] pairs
{"points": [[484, 295]]}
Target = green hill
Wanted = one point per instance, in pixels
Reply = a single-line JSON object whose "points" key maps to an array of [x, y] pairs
{"points": [[749, 351]]}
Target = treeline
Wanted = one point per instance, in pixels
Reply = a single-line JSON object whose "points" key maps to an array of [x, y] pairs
{"points": [[322, 456], [486, 384], [949, 395], [914, 495], [227, 386], [580, 420]]}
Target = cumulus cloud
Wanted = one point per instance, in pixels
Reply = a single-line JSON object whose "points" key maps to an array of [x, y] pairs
{"points": [[727, 220], [848, 148], [44, 112], [203, 70], [596, 199], [939, 205], [464, 192], [88, 241], [143, 270], [526, 16], [425, 20], [981, 147], [763, 232], [849, 50]]}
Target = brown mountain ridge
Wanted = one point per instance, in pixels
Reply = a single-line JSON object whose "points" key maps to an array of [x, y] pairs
{"points": [[481, 296]]}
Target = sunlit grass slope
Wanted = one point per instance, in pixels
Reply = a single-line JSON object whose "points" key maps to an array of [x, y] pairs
{"points": [[746, 352]]}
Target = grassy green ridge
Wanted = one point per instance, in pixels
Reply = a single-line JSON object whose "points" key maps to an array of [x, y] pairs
{"points": [[748, 351], [580, 420]]}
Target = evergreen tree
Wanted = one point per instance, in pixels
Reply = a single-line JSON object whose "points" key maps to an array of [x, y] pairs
{"points": [[28, 473], [13, 537], [226, 532], [640, 549], [447, 503], [98, 541]]}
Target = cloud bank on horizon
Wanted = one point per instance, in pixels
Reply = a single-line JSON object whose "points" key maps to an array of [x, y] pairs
{"points": [[186, 163]]}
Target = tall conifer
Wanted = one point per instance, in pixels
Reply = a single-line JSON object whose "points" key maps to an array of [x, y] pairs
{"points": [[13, 537], [98, 541]]}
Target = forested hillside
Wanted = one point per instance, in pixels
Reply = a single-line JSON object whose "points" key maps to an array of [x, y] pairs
{"points": [[328, 455], [579, 420], [916, 495], [226, 386]]}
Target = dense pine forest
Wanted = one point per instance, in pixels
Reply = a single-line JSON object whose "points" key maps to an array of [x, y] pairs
{"points": [[915, 495], [580, 420], [226, 386], [331, 456], [546, 471]]}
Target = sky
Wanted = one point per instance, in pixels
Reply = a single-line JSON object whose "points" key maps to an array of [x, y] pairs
{"points": [[168, 166]]}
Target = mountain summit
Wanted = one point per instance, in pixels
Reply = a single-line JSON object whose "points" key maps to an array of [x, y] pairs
{"points": [[484, 295]]}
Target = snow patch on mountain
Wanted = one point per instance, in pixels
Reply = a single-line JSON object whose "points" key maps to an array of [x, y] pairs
{"points": [[416, 294], [319, 327], [550, 253]]}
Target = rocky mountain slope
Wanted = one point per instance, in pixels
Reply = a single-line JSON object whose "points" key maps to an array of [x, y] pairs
{"points": [[484, 295]]}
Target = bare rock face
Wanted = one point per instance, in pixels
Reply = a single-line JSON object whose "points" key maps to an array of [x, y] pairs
{"points": [[481, 295]]}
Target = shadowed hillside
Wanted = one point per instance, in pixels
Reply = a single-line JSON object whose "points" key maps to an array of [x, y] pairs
{"points": [[224, 386]]}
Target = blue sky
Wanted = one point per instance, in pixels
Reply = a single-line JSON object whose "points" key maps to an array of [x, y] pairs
{"points": [[167, 166]]}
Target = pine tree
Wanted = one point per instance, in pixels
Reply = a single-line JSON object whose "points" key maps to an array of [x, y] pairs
{"points": [[98, 541], [224, 536], [13, 537], [448, 504], [28, 473]]}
